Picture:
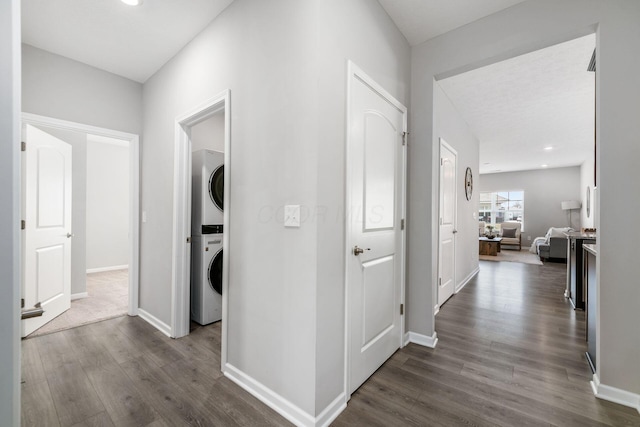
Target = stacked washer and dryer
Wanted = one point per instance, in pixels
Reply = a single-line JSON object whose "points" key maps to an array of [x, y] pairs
{"points": [[207, 221]]}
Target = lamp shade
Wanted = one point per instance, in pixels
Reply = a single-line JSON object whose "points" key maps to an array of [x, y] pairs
{"points": [[571, 204]]}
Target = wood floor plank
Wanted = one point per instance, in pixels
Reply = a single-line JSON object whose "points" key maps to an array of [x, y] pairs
{"points": [[100, 420], [31, 367], [38, 409], [171, 401], [73, 394], [125, 405]]}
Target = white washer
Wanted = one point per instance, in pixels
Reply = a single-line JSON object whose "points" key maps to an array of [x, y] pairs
{"points": [[207, 189], [206, 278]]}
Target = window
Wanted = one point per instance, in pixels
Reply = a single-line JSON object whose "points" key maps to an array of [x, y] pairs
{"points": [[501, 206]]}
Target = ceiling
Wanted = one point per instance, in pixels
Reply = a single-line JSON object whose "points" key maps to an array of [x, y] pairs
{"points": [[421, 20], [515, 107], [133, 42], [518, 107]]}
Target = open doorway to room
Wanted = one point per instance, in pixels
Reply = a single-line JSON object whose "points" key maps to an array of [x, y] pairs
{"points": [[534, 118], [201, 228], [98, 273]]}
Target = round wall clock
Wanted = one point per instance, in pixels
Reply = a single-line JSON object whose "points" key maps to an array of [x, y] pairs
{"points": [[468, 183]]}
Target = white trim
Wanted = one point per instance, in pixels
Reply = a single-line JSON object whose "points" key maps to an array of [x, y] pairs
{"points": [[112, 268], [331, 412], [155, 322], [79, 295], [466, 280], [134, 190], [615, 395], [423, 340], [180, 288], [353, 71], [436, 309], [282, 406]]}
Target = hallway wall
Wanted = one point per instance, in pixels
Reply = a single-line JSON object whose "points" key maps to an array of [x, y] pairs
{"points": [[285, 63]]}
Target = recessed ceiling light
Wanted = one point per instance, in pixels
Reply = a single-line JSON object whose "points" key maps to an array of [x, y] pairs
{"points": [[548, 148], [544, 166], [132, 2], [486, 163]]}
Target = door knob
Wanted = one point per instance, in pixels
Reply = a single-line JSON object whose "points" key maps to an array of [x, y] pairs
{"points": [[455, 231], [69, 235], [357, 251]]}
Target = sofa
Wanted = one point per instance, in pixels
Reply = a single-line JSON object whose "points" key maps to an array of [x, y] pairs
{"points": [[553, 246], [510, 231]]}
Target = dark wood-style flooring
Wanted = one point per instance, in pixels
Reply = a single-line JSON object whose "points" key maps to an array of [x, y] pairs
{"points": [[510, 353]]}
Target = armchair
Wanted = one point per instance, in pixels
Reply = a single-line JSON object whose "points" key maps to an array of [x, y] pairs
{"points": [[510, 231]]}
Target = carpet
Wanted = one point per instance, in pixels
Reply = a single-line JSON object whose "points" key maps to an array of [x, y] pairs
{"points": [[108, 297], [507, 255]]}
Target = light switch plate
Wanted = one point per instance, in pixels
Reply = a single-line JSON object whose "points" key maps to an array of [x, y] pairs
{"points": [[292, 215]]}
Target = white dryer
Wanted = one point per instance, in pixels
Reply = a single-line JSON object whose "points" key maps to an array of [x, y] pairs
{"points": [[207, 190], [206, 278]]}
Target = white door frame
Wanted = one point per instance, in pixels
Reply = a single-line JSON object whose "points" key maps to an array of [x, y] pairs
{"points": [[353, 71], [134, 190], [444, 143], [180, 283]]}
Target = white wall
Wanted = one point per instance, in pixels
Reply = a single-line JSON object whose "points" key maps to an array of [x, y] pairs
{"points": [[285, 63], [78, 141], [261, 52], [525, 27], [10, 212], [209, 134], [544, 191], [449, 125], [107, 195], [55, 86]]}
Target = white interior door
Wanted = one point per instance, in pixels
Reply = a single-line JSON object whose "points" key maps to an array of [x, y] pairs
{"points": [[376, 192], [448, 197], [47, 234]]}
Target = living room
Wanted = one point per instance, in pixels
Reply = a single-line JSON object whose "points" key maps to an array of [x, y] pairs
{"points": [[533, 117]]}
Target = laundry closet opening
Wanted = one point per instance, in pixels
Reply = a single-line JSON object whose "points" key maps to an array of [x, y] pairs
{"points": [[201, 221]]}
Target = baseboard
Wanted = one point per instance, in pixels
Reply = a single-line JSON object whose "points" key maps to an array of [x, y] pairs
{"points": [[423, 340], [467, 280], [282, 406], [111, 268], [615, 395], [331, 412], [155, 322], [79, 295]]}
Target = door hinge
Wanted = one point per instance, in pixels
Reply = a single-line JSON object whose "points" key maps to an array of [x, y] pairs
{"points": [[401, 309], [441, 161], [402, 224], [23, 146], [188, 239], [404, 138], [440, 221], [23, 224], [440, 281], [21, 302]]}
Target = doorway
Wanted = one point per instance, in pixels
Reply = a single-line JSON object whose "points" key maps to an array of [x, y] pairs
{"points": [[448, 216], [193, 130], [102, 278]]}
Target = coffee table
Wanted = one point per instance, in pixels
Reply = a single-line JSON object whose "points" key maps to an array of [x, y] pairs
{"points": [[489, 246]]}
